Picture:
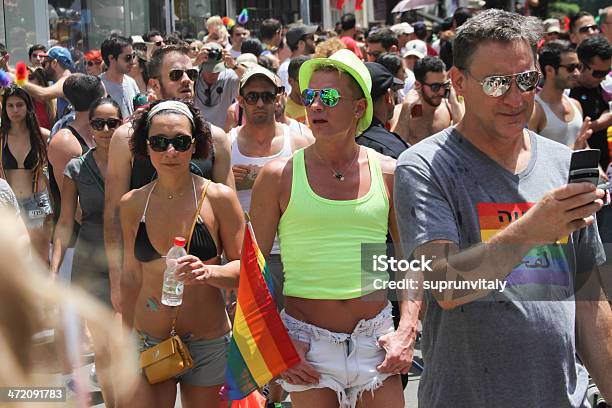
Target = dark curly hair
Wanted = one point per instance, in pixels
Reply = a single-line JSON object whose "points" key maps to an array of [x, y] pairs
{"points": [[201, 132]]}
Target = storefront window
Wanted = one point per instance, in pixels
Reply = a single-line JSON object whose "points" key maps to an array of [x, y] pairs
{"points": [[190, 15], [20, 27]]}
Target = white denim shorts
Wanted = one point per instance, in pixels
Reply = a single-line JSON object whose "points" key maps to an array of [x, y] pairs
{"points": [[346, 362]]}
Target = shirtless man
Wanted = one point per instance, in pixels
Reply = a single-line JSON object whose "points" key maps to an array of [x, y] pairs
{"points": [[556, 116], [171, 77], [432, 107], [324, 201]]}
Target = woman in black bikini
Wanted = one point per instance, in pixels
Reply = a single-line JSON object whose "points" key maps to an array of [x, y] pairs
{"points": [[171, 133], [23, 164]]}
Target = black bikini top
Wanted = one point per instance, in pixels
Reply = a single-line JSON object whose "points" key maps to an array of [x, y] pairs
{"points": [[201, 245], [9, 162]]}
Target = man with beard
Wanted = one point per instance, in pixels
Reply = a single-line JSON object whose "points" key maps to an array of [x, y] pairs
{"points": [[555, 115], [119, 57], [301, 41], [57, 67], [171, 76], [433, 107]]}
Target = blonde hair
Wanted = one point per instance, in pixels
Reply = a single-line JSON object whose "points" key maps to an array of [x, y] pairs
{"points": [[31, 303], [328, 47]]}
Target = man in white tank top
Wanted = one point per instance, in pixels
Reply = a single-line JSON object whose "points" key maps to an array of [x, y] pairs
{"points": [[555, 115]]}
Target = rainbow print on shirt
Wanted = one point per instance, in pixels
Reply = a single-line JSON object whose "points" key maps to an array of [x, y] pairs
{"points": [[546, 264]]}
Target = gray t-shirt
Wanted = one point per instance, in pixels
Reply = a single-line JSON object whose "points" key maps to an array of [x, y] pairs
{"points": [[500, 351], [7, 197], [214, 100], [123, 93]]}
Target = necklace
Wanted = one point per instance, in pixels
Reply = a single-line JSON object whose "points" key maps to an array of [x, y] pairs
{"points": [[339, 175], [172, 195]]}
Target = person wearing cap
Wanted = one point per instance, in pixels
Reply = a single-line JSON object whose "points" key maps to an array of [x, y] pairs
{"points": [[93, 62], [217, 86], [414, 51], [171, 76], [57, 66], [119, 57], [301, 41], [432, 106], [405, 33], [423, 30], [552, 30], [36, 55], [560, 67], [381, 41], [377, 136], [324, 202]]}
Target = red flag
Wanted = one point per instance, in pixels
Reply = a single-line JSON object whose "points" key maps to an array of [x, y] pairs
{"points": [[340, 4], [358, 4]]}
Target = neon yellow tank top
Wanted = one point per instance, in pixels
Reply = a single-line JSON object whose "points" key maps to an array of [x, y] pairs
{"points": [[320, 239]]}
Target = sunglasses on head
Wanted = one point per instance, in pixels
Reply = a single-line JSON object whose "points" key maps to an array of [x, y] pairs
{"points": [[111, 123], [177, 74], [571, 67], [587, 28], [328, 96], [599, 74], [267, 98], [436, 86], [498, 85], [160, 143], [92, 63]]}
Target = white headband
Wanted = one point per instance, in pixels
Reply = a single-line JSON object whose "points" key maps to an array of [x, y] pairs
{"points": [[171, 105]]}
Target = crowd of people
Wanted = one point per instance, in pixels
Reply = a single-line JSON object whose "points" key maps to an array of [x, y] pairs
{"points": [[416, 141]]}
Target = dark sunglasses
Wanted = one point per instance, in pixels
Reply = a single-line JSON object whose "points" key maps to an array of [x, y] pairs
{"points": [[266, 97], [98, 124], [177, 74], [159, 43], [571, 67], [596, 73], [498, 85], [436, 86], [160, 143], [587, 28], [328, 96], [129, 57], [92, 63]]}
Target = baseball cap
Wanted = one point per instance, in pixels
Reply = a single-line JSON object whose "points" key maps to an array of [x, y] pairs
{"points": [[62, 55], [418, 48], [211, 65], [348, 62], [402, 28], [382, 79], [258, 70], [551, 25], [297, 31]]}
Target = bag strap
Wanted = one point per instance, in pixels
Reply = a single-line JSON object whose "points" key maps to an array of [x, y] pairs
{"points": [[97, 179], [193, 224]]}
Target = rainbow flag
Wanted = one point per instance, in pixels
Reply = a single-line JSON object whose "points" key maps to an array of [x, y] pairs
{"points": [[260, 348]]}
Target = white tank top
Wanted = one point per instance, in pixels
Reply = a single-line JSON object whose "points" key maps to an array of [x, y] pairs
{"points": [[557, 129], [255, 164]]}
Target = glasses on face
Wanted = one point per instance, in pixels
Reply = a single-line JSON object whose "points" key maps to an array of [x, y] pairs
{"points": [[160, 143], [436, 86], [498, 85], [587, 28], [129, 57], [159, 43], [92, 63], [328, 96], [267, 98], [177, 74], [111, 123], [571, 67], [599, 74]]}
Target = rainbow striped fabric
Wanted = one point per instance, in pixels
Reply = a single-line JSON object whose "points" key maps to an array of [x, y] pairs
{"points": [[260, 348]]}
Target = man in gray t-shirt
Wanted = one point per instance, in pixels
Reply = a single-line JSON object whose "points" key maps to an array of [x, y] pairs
{"points": [[119, 57], [489, 200]]}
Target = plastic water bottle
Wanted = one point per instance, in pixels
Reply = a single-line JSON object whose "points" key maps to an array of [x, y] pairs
{"points": [[172, 291]]}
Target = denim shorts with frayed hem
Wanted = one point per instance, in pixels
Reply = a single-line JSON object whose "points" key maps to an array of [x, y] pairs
{"points": [[346, 362]]}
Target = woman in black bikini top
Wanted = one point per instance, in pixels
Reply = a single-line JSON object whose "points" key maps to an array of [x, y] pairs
{"points": [[171, 133], [23, 160]]}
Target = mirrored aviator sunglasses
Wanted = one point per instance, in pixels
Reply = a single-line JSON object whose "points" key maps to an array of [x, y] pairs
{"points": [[98, 124], [498, 85], [177, 74], [160, 143], [329, 96]]}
